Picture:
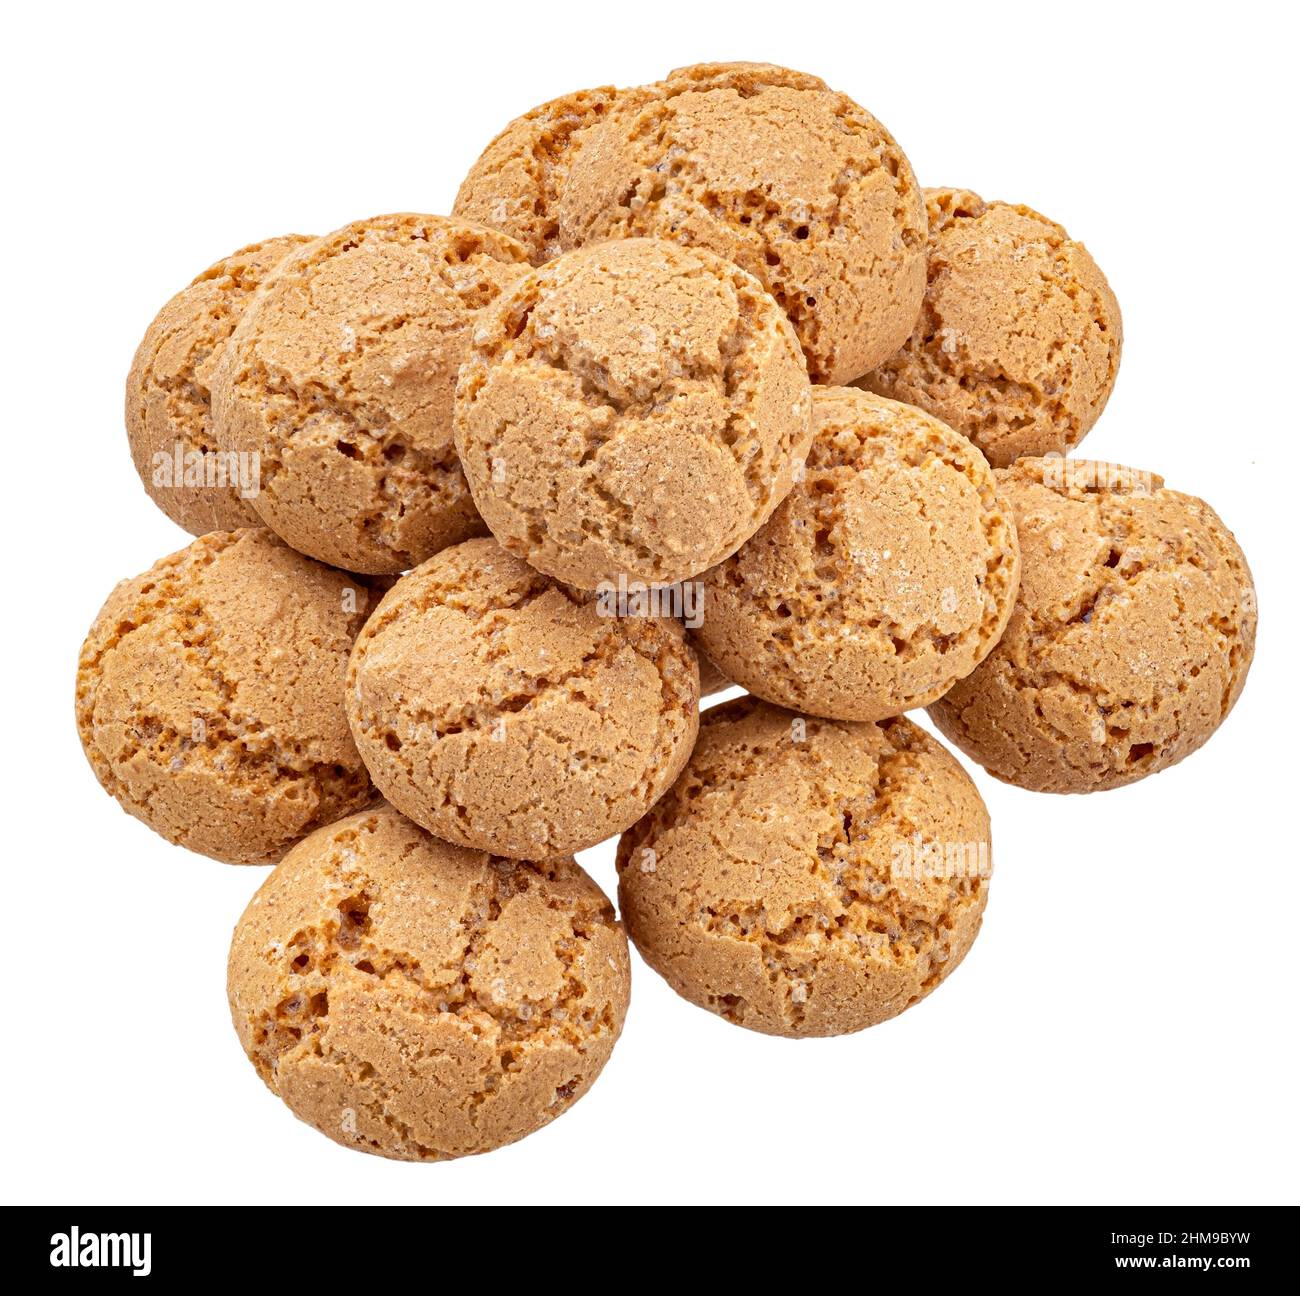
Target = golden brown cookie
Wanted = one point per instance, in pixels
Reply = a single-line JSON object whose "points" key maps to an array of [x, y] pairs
{"points": [[1018, 343], [419, 1001], [632, 410], [504, 712], [168, 404], [1130, 639], [807, 877], [341, 376], [210, 696], [771, 169], [514, 185], [885, 576]]}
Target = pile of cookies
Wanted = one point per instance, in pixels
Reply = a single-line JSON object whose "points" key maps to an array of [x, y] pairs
{"points": [[695, 384]]}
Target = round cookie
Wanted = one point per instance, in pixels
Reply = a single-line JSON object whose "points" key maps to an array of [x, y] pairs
{"points": [[772, 170], [341, 376], [807, 877], [1130, 639], [210, 696], [1018, 343], [514, 185], [634, 410], [168, 403], [537, 725], [885, 576], [419, 1001]]}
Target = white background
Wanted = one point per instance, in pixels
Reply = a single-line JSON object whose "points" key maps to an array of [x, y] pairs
{"points": [[1125, 1027]]}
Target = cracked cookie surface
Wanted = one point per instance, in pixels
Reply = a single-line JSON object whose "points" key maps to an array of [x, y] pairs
{"points": [[341, 376], [515, 184], [632, 410], [210, 696], [808, 880], [776, 172], [1018, 342], [1130, 640], [886, 575], [503, 712], [168, 401], [420, 1001]]}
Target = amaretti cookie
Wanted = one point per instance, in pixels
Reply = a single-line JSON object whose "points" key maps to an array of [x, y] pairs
{"points": [[168, 401], [341, 376], [210, 696], [1018, 343], [804, 876], [1130, 639], [419, 1001], [515, 184], [771, 169], [634, 410], [885, 576], [505, 712]]}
